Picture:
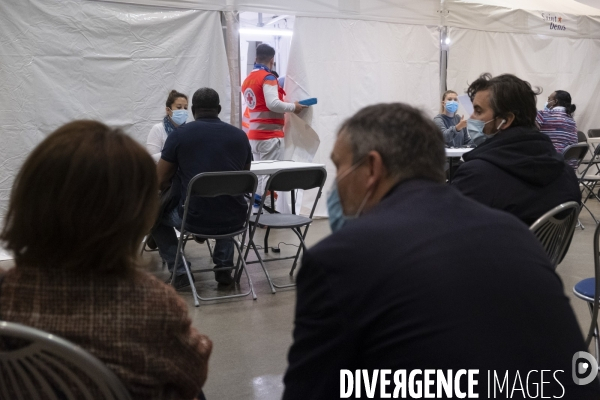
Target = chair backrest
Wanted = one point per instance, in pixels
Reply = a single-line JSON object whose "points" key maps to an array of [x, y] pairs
{"points": [[595, 158], [576, 152], [228, 183], [593, 133], [581, 137], [232, 183], [555, 230], [36, 364], [596, 303], [298, 178]]}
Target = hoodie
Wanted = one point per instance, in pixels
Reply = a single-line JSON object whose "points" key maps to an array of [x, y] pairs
{"points": [[520, 172]]}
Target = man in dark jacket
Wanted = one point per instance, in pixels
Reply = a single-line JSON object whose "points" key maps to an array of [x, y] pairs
{"points": [[517, 169], [395, 299]]}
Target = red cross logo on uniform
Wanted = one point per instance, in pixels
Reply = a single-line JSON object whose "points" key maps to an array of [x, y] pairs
{"points": [[250, 98]]}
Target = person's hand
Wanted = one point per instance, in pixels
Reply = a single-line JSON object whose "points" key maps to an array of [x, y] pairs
{"points": [[462, 124], [299, 107]]}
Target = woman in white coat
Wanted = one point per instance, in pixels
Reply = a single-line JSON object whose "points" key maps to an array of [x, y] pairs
{"points": [[177, 115]]}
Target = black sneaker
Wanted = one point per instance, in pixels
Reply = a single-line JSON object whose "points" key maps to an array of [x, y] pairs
{"points": [[223, 275], [182, 281]]}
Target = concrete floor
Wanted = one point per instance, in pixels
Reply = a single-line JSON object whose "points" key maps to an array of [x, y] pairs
{"points": [[251, 338]]}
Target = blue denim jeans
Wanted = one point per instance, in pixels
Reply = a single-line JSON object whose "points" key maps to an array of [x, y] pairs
{"points": [[166, 240]]}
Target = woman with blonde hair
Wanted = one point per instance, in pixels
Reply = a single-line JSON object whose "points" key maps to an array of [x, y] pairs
{"points": [[78, 211], [453, 127]]}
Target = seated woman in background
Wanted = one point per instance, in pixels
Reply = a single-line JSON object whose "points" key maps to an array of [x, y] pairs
{"points": [[78, 211], [556, 121], [453, 127], [177, 115]]}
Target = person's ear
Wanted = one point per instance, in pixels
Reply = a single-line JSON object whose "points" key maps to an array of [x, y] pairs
{"points": [[168, 111], [219, 110], [510, 118], [376, 169], [193, 111]]}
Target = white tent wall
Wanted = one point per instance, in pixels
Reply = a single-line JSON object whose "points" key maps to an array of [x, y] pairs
{"points": [[77, 59], [349, 64]]}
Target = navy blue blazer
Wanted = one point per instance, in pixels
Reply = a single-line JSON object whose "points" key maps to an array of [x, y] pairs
{"points": [[429, 279]]}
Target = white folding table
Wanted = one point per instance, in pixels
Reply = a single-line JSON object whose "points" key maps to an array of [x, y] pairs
{"points": [[269, 167], [452, 153]]}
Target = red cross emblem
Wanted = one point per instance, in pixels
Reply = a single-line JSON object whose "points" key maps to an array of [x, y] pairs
{"points": [[250, 98]]}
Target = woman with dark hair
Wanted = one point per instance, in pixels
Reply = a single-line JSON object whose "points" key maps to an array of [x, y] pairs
{"points": [[176, 115], [556, 121], [78, 211]]}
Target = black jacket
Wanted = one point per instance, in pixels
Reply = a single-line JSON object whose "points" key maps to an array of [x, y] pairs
{"points": [[520, 172], [429, 279]]}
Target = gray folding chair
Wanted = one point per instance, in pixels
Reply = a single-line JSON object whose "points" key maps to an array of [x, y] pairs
{"points": [[555, 230], [576, 153], [286, 181], [213, 184], [593, 133], [590, 181], [36, 364], [589, 291]]}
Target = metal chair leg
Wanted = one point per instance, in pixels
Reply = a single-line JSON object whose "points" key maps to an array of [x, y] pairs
{"points": [[266, 248], [180, 246], [251, 243], [239, 249]]}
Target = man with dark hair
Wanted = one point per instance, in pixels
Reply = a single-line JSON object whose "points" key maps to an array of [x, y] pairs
{"points": [[517, 169], [265, 108], [398, 290], [205, 145]]}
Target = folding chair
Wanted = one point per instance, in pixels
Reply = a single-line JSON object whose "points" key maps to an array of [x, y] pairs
{"points": [[576, 153], [589, 181], [35, 365], [213, 184], [555, 230], [286, 181], [589, 291], [593, 133]]}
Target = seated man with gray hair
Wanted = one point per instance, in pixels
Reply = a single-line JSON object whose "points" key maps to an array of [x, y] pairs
{"points": [[424, 279]]}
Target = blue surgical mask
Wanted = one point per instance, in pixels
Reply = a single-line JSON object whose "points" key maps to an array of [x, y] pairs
{"points": [[334, 208], [337, 218], [475, 130], [179, 116], [451, 106]]}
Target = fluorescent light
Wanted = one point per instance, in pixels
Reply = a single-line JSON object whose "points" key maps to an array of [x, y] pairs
{"points": [[266, 32]]}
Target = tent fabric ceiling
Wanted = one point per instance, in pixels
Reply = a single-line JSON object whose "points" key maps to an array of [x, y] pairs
{"points": [[369, 9], [565, 18]]}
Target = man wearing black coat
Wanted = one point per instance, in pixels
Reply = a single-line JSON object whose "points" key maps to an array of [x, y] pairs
{"points": [[517, 169], [425, 283]]}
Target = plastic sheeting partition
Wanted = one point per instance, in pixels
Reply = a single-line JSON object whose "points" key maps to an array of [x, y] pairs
{"points": [[349, 64], [77, 59], [551, 63]]}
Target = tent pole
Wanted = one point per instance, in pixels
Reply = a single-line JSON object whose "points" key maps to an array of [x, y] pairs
{"points": [[231, 24], [443, 11]]}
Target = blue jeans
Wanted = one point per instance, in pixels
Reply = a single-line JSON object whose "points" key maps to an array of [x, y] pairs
{"points": [[166, 240]]}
